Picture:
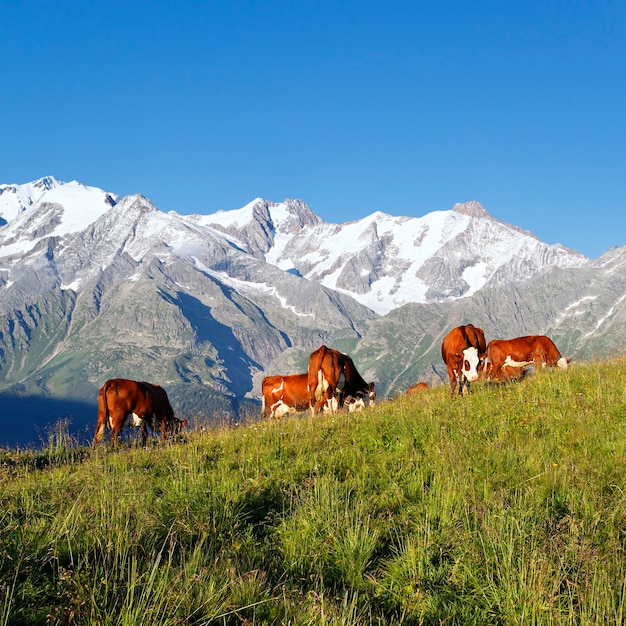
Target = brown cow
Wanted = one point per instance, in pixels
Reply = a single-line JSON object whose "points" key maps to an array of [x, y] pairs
{"points": [[281, 395], [327, 368], [123, 402], [463, 350], [537, 350], [417, 388]]}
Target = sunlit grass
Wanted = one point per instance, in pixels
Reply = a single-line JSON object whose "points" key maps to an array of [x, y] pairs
{"points": [[504, 507]]}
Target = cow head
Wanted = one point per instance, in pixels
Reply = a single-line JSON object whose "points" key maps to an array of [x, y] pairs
{"points": [[354, 404], [469, 364], [563, 363], [175, 425]]}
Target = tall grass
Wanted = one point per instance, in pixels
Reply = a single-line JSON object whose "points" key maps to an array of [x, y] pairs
{"points": [[504, 507]]}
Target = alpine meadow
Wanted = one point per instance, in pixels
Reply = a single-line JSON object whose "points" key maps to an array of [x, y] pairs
{"points": [[503, 506], [506, 506]]}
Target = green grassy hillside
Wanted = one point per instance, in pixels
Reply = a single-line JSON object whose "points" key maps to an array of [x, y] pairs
{"points": [[504, 507]]}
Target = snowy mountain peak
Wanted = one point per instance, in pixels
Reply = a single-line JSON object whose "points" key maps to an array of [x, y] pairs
{"points": [[17, 198], [47, 208], [471, 208], [46, 183]]}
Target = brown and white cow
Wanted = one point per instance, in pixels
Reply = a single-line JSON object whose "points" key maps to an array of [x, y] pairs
{"points": [[327, 369], [463, 350], [123, 402], [281, 395], [537, 350]]}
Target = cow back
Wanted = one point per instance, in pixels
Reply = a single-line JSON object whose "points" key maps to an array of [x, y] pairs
{"points": [[461, 338], [326, 368], [521, 351], [417, 388], [127, 396], [161, 406], [476, 338]]}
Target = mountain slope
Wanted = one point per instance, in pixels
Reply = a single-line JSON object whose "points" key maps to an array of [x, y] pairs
{"points": [[583, 310], [146, 295], [94, 286]]}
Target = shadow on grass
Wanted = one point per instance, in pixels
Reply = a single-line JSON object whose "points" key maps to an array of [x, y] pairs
{"points": [[28, 422]]}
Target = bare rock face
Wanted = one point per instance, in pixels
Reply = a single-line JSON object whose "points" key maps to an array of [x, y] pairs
{"points": [[471, 208]]}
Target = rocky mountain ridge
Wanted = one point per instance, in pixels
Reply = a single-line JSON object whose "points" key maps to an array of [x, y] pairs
{"points": [[94, 286]]}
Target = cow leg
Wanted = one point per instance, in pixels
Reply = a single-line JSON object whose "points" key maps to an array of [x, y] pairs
{"points": [[320, 392], [452, 375], [102, 416], [321, 398], [463, 384], [163, 429], [144, 433], [116, 423], [113, 437], [99, 434]]}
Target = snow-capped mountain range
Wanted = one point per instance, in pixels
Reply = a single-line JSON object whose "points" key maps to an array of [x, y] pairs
{"points": [[95, 286], [381, 261]]}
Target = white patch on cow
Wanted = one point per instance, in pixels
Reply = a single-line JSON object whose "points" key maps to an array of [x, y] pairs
{"points": [[355, 404], [469, 367], [511, 363], [279, 389], [132, 420], [280, 409], [322, 385], [562, 363], [331, 405]]}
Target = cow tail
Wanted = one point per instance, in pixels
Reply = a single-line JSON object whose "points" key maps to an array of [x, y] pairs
{"points": [[262, 406], [315, 377], [319, 390], [103, 413]]}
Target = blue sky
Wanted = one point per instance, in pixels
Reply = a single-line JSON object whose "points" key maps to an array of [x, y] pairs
{"points": [[353, 107]]}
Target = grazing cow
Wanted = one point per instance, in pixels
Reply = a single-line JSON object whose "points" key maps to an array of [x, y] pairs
{"points": [[417, 388], [281, 395], [463, 350], [537, 350], [123, 402], [327, 368]]}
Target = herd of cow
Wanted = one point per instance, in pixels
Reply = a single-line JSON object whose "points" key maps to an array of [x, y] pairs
{"points": [[466, 355], [330, 383]]}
